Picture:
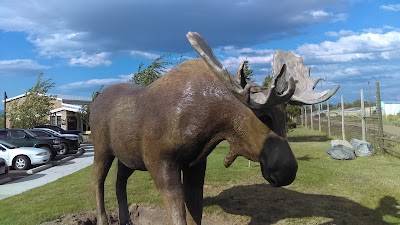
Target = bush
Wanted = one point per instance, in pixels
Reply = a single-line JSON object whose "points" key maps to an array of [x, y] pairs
{"points": [[392, 120]]}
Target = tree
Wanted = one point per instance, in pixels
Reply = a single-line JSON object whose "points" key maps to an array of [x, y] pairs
{"points": [[1, 121], [84, 111], [152, 72], [35, 108], [267, 80], [248, 73], [293, 111]]}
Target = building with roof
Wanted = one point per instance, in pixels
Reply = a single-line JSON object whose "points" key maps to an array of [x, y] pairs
{"points": [[64, 112], [390, 107]]}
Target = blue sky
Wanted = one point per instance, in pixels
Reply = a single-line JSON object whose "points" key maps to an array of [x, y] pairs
{"points": [[81, 45]]}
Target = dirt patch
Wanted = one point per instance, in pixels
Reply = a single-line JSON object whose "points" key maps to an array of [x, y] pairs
{"points": [[257, 204], [392, 131], [140, 215]]}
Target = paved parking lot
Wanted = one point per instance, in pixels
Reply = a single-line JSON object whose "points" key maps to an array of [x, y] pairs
{"points": [[18, 174], [21, 181]]}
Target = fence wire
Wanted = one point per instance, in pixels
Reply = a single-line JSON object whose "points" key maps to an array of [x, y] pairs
{"points": [[355, 123], [331, 122]]}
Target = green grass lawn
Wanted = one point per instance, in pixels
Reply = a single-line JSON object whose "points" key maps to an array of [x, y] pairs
{"points": [[361, 191]]}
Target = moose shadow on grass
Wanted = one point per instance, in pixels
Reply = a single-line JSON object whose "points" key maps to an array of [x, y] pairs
{"points": [[265, 204]]}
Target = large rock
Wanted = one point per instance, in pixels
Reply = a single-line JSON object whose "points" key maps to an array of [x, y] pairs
{"points": [[362, 148], [340, 142], [341, 152]]}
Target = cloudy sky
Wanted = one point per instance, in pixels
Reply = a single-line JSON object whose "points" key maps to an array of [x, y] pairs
{"points": [[81, 45]]}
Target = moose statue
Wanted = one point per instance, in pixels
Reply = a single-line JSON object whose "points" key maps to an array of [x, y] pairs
{"points": [[169, 127]]}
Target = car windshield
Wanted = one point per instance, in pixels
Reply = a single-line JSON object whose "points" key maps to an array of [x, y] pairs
{"points": [[8, 145]]}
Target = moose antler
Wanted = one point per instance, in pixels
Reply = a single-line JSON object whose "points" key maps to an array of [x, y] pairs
{"points": [[254, 99], [201, 46], [304, 93]]}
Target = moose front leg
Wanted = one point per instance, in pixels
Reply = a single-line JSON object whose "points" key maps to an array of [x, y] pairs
{"points": [[193, 184], [167, 178]]}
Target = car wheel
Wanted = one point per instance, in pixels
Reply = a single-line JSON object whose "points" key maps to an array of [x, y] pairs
{"points": [[63, 149], [52, 156], [22, 162]]}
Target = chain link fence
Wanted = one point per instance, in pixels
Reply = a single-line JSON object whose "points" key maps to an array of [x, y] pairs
{"points": [[347, 121]]}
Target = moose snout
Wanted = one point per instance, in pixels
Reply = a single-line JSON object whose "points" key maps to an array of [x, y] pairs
{"points": [[278, 164], [280, 177]]}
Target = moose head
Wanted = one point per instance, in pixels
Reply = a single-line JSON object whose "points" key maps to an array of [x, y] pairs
{"points": [[170, 127], [291, 84]]}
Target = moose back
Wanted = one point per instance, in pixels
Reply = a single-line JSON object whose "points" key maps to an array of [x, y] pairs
{"points": [[170, 127]]}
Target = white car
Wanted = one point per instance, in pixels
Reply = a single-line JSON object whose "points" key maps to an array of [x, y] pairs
{"points": [[21, 158]]}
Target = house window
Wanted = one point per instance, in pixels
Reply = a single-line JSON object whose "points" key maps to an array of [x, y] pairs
{"points": [[59, 121], [72, 123], [53, 120]]}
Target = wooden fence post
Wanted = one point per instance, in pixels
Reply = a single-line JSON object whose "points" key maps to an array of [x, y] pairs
{"points": [[342, 104], [305, 116], [329, 119], [362, 116], [319, 116], [380, 125], [311, 117]]}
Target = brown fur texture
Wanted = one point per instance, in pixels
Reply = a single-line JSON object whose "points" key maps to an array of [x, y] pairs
{"points": [[170, 127]]}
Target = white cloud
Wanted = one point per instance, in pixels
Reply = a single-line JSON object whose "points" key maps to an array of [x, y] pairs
{"points": [[90, 84], [341, 33], [68, 28], [256, 57], [21, 66], [390, 7], [146, 55], [318, 16], [91, 60], [380, 30], [365, 46], [234, 62], [64, 45]]}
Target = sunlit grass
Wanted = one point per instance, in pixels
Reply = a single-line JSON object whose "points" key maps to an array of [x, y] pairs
{"points": [[366, 187]]}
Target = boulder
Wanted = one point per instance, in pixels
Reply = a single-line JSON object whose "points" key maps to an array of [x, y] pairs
{"points": [[340, 142], [341, 152], [362, 148]]}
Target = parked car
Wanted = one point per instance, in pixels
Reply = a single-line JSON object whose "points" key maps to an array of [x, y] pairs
{"points": [[62, 131], [3, 166], [25, 138], [21, 158], [67, 141]]}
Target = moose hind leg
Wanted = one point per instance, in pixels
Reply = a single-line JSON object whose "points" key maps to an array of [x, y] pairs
{"points": [[123, 174], [101, 166], [167, 178], [193, 183]]}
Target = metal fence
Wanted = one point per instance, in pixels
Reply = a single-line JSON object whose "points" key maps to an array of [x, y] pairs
{"points": [[346, 122]]}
